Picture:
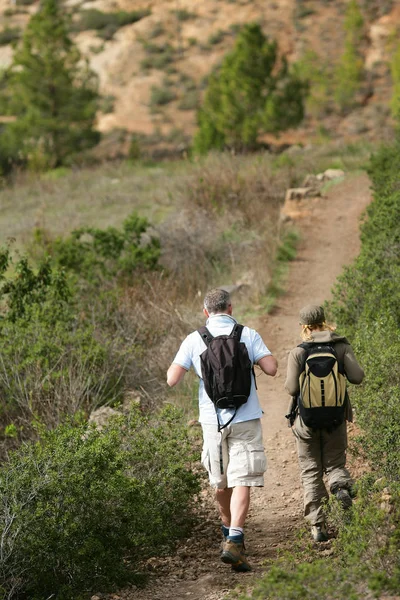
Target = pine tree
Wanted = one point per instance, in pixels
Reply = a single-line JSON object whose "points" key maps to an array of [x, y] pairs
{"points": [[350, 69], [251, 92], [51, 92], [395, 72]]}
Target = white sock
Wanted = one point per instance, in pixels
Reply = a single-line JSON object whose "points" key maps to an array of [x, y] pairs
{"points": [[235, 531]]}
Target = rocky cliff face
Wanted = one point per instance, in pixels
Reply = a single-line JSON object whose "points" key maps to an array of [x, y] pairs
{"points": [[153, 72]]}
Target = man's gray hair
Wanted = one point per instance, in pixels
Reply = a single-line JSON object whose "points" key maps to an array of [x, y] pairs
{"points": [[217, 301]]}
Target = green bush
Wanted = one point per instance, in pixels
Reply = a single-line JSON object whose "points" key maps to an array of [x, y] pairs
{"points": [[81, 508], [98, 255], [161, 96], [183, 14], [107, 23], [159, 56], [53, 363], [190, 101], [9, 34]]}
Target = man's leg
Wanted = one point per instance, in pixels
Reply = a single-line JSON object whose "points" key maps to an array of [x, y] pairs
{"points": [[223, 498], [233, 547], [233, 505], [240, 503]]}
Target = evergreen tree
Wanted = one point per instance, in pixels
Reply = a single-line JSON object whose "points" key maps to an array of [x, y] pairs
{"points": [[251, 92], [395, 71], [51, 93], [350, 69]]}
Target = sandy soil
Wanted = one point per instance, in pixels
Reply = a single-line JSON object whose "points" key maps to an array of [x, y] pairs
{"points": [[330, 240]]}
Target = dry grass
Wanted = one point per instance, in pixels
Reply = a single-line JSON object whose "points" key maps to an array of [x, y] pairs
{"points": [[218, 223]]}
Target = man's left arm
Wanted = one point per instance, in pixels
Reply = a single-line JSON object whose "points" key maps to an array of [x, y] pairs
{"points": [[268, 364], [175, 374]]}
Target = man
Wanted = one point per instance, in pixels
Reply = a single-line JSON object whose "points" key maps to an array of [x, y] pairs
{"points": [[234, 457]]}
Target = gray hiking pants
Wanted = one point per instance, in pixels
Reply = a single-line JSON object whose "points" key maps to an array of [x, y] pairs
{"points": [[320, 453]]}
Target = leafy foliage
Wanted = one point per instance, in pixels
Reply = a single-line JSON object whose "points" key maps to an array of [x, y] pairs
{"points": [[52, 363], [249, 93], [97, 255], [50, 92], [81, 506], [374, 326]]}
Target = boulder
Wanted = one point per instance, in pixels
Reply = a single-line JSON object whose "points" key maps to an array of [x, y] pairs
{"points": [[102, 415], [301, 193], [330, 174]]}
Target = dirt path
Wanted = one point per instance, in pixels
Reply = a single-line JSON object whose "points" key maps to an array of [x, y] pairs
{"points": [[330, 239]]}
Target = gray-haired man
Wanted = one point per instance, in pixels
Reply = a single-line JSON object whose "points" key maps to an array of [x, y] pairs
{"points": [[243, 458]]}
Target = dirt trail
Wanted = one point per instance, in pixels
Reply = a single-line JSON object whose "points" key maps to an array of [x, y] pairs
{"points": [[330, 240]]}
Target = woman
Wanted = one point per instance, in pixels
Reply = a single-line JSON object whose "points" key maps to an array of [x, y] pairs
{"points": [[321, 450]]}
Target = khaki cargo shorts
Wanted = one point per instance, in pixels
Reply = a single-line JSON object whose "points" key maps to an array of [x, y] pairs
{"points": [[235, 456]]}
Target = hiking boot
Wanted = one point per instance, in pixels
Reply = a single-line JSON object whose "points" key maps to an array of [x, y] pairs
{"points": [[233, 553], [231, 550], [343, 495], [319, 533], [242, 566]]}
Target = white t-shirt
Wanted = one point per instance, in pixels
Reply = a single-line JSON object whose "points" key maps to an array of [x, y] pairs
{"points": [[188, 356]]}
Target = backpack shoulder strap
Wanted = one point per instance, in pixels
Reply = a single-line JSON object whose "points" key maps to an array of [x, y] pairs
{"points": [[237, 331], [205, 335]]}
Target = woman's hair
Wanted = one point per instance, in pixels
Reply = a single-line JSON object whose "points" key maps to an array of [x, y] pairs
{"points": [[306, 330]]}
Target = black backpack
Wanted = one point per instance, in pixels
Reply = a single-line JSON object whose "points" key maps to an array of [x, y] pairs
{"points": [[323, 395], [226, 370]]}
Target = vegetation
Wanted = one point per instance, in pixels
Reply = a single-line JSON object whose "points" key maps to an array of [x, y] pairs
{"points": [[86, 321], [81, 508], [350, 71], [52, 95], [9, 35], [106, 24], [365, 554], [311, 68], [395, 70], [252, 92]]}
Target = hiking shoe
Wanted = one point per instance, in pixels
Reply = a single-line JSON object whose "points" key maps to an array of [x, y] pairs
{"points": [[343, 495], [242, 565], [233, 553], [319, 533]]}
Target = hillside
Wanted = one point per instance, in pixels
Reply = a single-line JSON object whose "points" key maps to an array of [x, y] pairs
{"points": [[153, 72]]}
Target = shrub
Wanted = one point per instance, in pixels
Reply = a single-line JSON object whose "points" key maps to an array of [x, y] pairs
{"points": [[107, 22], [9, 34], [97, 255], [161, 96], [183, 14], [81, 508], [52, 363], [190, 101]]}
